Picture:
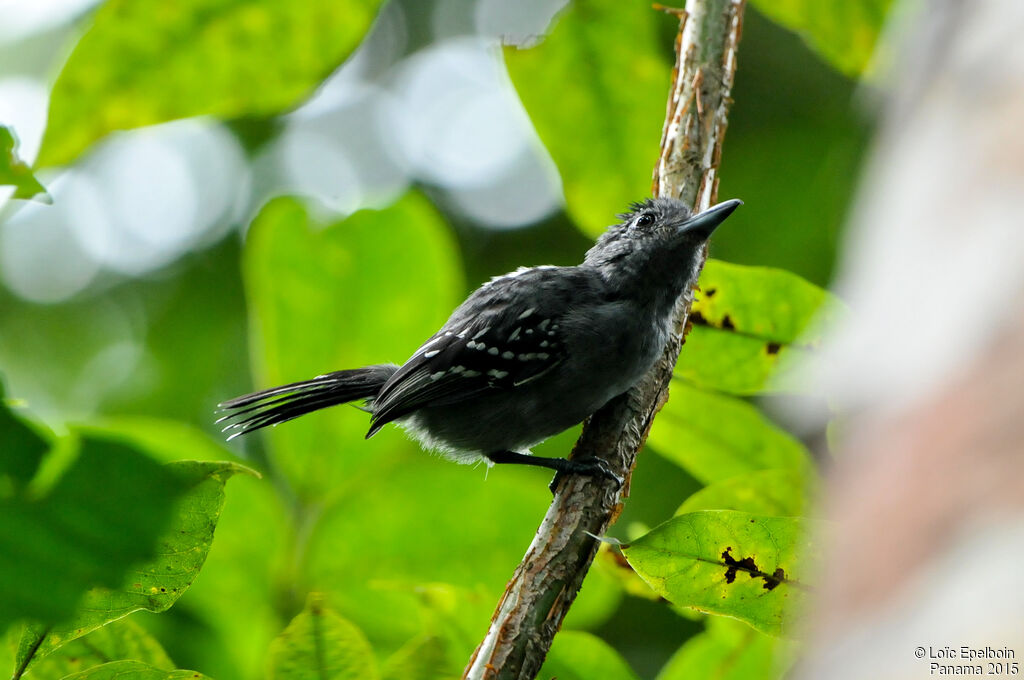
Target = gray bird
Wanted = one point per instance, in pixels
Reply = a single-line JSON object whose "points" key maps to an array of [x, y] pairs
{"points": [[528, 354]]}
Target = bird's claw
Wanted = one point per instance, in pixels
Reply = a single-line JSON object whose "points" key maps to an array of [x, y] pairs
{"points": [[591, 466]]}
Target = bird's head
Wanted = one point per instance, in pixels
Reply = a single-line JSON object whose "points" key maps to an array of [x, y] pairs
{"points": [[655, 249]]}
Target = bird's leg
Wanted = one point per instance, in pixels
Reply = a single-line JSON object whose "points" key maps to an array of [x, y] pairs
{"points": [[591, 466]]}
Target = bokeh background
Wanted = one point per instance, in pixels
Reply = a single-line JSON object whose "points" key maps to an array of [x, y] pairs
{"points": [[160, 282]]}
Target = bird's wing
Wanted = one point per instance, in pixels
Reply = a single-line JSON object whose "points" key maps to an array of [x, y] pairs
{"points": [[502, 337]]}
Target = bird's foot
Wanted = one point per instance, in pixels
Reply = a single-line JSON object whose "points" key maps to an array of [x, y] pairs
{"points": [[590, 466]]}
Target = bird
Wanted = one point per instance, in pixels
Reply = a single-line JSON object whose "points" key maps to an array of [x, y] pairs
{"points": [[528, 354]]}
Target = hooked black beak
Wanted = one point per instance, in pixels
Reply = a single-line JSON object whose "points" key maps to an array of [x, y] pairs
{"points": [[703, 224]]}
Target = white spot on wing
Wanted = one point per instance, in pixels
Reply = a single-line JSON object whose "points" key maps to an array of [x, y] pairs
{"points": [[527, 313], [493, 351], [432, 353], [507, 355]]}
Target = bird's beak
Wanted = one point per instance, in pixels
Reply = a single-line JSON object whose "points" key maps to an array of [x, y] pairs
{"points": [[703, 224]]}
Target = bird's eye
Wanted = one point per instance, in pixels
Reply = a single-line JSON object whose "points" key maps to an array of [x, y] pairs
{"points": [[645, 220]]}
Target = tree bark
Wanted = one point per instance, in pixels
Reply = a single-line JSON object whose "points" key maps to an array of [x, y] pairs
{"points": [[545, 583]]}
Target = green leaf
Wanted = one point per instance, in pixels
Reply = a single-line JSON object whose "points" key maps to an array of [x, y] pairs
{"points": [[737, 564], [425, 657], [244, 568], [14, 171], [750, 324], [778, 493], [843, 33], [368, 289], [576, 655], [21, 451], [320, 645], [140, 64], [729, 650], [134, 670], [116, 641], [181, 549], [602, 131], [715, 437], [101, 519], [765, 303]]}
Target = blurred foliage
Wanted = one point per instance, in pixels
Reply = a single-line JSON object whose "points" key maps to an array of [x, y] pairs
{"points": [[190, 492], [14, 171], [76, 535], [777, 493], [843, 33], [688, 432], [604, 132], [144, 62], [323, 295], [134, 670], [409, 554], [320, 645], [729, 650], [580, 656]]}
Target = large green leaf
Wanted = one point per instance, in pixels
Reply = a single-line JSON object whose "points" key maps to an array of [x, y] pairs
{"points": [[843, 33], [368, 289], [751, 567], [576, 655], [715, 437], [729, 650], [21, 451], [595, 90], [320, 645], [134, 670], [180, 550], [15, 172], [143, 62], [117, 641], [751, 324], [778, 493], [247, 563], [101, 519]]}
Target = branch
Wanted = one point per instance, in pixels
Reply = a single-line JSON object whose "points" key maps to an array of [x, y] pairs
{"points": [[545, 583]]}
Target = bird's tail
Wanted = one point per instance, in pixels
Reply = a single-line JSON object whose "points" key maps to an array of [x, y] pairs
{"points": [[279, 404]]}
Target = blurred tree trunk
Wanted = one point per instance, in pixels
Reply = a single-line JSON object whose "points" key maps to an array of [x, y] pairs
{"points": [[928, 489]]}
